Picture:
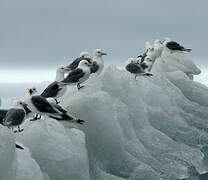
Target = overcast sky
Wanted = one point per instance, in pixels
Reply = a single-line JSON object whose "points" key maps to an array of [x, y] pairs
{"points": [[44, 33], [38, 35]]}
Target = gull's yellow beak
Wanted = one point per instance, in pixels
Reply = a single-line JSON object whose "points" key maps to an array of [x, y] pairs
{"points": [[150, 60], [104, 53], [90, 65], [25, 105], [67, 69]]}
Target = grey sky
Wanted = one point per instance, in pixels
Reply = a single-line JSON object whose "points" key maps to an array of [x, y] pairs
{"points": [[51, 32]]}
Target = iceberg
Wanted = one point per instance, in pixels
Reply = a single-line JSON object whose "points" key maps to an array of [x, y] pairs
{"points": [[146, 129]]}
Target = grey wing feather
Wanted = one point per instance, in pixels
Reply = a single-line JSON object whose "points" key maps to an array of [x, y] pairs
{"points": [[2, 115], [94, 67], [58, 107], [74, 76], [14, 117], [52, 90], [43, 105], [134, 68], [172, 45]]}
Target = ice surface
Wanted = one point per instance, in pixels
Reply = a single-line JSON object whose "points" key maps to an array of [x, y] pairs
{"points": [[146, 129]]}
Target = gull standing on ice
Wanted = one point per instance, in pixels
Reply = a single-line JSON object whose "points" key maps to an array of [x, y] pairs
{"points": [[158, 48], [78, 75], [63, 116], [54, 90], [156, 53], [3, 114], [83, 56], [98, 63], [16, 115], [135, 68], [174, 46], [40, 105]]}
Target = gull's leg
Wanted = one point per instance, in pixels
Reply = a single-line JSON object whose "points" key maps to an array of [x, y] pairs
{"points": [[15, 131], [79, 86], [57, 102], [36, 117], [19, 147], [148, 74], [20, 130]]}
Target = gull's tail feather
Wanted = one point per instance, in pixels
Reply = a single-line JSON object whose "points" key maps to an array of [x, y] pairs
{"points": [[19, 147]]}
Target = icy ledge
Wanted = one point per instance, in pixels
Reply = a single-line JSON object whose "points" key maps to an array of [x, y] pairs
{"points": [[149, 129]]}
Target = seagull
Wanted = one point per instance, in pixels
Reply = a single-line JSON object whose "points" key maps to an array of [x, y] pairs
{"points": [[54, 89], [40, 105], [152, 50], [31, 92], [16, 115], [78, 75], [135, 68], [154, 54], [52, 101], [83, 56], [174, 46], [3, 113], [98, 63], [158, 48]]}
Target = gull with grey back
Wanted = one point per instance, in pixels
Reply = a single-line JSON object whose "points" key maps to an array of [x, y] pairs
{"points": [[135, 68], [54, 89], [16, 115], [78, 75]]}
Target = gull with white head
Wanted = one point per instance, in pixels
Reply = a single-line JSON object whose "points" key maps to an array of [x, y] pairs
{"points": [[174, 46], [54, 89], [63, 112], [98, 63], [16, 115], [78, 75]]}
